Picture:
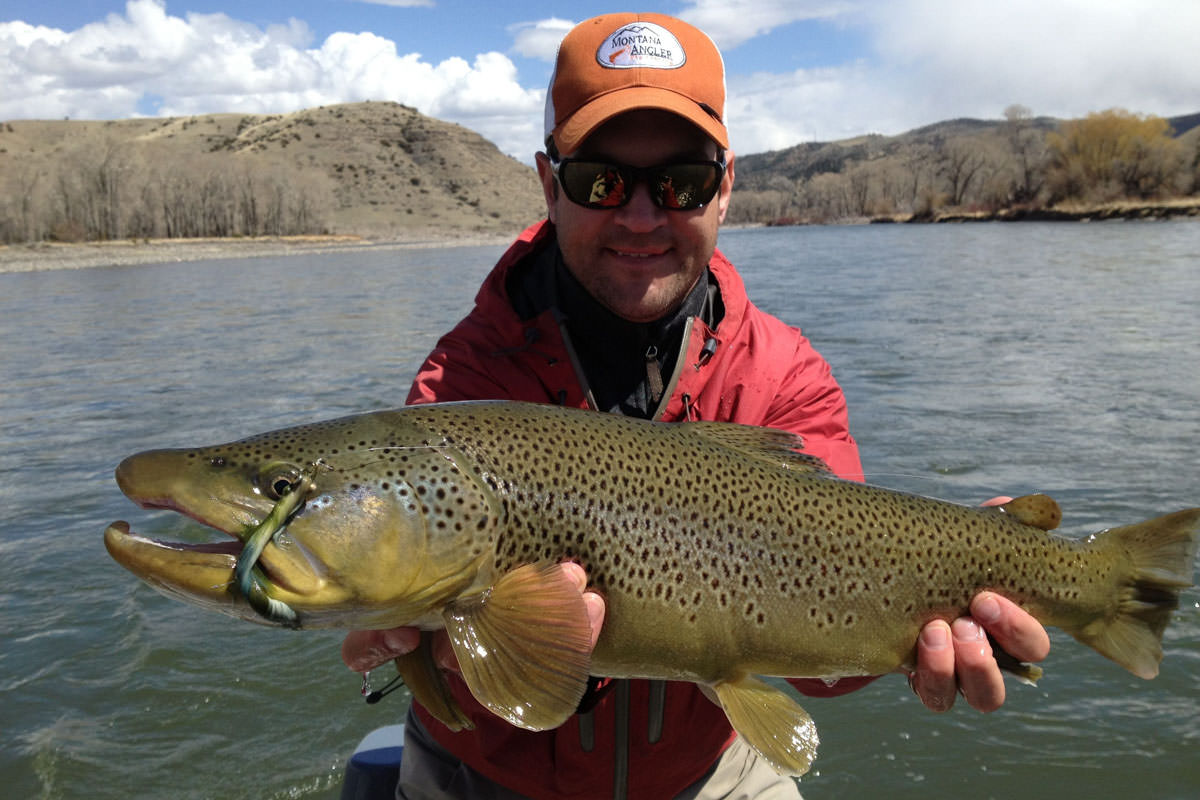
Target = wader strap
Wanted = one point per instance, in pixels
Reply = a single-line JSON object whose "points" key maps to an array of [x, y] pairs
{"points": [[657, 711], [621, 742], [576, 364], [587, 731], [656, 714]]}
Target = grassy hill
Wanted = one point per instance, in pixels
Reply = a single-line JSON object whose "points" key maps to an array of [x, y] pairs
{"points": [[373, 169], [961, 167]]}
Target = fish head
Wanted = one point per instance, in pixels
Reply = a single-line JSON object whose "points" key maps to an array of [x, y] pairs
{"points": [[388, 528]]}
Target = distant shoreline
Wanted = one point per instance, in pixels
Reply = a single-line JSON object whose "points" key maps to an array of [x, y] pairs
{"points": [[1124, 210], [1176, 208], [45, 256]]}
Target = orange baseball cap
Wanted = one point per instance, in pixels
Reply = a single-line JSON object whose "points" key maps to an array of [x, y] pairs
{"points": [[615, 63]]}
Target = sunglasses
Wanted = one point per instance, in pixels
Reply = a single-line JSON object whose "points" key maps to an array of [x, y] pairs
{"points": [[682, 186]]}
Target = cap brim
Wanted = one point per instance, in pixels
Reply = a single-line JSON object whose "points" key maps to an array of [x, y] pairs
{"points": [[571, 133]]}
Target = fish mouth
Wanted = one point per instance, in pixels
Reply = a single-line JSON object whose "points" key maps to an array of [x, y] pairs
{"points": [[237, 576], [120, 530]]}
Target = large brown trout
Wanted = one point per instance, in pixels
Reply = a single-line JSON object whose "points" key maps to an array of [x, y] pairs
{"points": [[722, 551]]}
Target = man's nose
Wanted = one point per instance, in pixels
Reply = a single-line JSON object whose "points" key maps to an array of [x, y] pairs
{"points": [[640, 214]]}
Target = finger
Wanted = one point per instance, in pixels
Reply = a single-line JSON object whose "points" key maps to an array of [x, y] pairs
{"points": [[595, 608], [593, 602], [366, 650], [934, 680], [443, 652], [576, 573], [979, 678], [1021, 636]]}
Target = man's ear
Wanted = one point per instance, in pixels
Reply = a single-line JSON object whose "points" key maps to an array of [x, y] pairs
{"points": [[549, 184]]}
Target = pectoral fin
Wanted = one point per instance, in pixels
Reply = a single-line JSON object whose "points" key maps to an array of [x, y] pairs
{"points": [[524, 646], [425, 680], [771, 722]]}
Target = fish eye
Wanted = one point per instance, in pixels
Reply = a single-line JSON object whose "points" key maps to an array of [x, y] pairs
{"points": [[278, 480]]}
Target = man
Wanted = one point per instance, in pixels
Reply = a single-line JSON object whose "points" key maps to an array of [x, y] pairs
{"points": [[620, 302]]}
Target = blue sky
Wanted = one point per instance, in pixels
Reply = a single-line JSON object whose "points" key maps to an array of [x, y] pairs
{"points": [[797, 70]]}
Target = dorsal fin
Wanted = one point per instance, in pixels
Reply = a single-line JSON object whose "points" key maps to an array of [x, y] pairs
{"points": [[766, 444]]}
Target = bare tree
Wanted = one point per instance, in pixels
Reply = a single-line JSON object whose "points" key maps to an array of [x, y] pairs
{"points": [[22, 210], [961, 164], [1027, 146]]}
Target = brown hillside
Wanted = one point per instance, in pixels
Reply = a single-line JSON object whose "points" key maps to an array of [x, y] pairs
{"points": [[963, 169], [373, 169]]}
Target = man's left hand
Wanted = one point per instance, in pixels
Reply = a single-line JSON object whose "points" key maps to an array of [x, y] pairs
{"points": [[957, 659]]}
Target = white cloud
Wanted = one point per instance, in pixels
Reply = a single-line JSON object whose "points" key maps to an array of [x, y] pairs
{"points": [[733, 22], [938, 59], [539, 39], [773, 111], [1061, 57], [205, 63]]}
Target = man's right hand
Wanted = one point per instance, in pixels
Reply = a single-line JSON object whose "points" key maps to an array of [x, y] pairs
{"points": [[365, 650]]}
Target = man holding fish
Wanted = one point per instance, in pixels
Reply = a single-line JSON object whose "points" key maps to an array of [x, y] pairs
{"points": [[620, 302]]}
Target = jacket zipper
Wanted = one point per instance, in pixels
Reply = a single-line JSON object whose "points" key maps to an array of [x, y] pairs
{"points": [[669, 388]]}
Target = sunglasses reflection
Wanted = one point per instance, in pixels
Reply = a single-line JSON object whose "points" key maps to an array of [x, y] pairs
{"points": [[608, 190]]}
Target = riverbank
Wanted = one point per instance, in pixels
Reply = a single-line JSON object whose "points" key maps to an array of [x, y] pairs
{"points": [[43, 256], [1122, 210]]}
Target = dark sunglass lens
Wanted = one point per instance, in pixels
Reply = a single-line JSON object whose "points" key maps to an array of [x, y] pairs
{"points": [[594, 183], [686, 186]]}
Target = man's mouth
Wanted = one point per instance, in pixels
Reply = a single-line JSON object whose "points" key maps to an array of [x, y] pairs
{"points": [[639, 254]]}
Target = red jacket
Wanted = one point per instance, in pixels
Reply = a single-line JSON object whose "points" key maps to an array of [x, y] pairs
{"points": [[762, 372]]}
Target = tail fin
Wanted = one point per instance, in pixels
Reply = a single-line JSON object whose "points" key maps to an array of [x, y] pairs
{"points": [[1160, 554]]}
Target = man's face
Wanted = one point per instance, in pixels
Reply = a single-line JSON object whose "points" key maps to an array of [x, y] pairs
{"points": [[638, 260]]}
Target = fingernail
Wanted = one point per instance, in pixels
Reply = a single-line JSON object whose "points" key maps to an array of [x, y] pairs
{"points": [[398, 641], [966, 630], [368, 660], [986, 610], [934, 637]]}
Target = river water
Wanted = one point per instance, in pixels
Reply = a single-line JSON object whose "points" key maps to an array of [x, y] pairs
{"points": [[977, 360]]}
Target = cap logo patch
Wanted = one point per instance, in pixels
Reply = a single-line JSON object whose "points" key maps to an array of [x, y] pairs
{"points": [[641, 44]]}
